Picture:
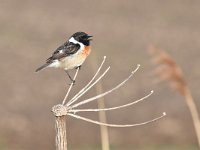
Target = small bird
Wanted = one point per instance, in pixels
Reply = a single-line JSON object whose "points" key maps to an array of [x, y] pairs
{"points": [[71, 54]]}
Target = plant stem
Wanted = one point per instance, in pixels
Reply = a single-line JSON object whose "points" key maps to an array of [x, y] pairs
{"points": [[194, 112], [61, 136], [102, 118]]}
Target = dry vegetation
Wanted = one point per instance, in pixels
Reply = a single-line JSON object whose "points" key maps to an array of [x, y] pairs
{"points": [[31, 30], [168, 70], [70, 108]]}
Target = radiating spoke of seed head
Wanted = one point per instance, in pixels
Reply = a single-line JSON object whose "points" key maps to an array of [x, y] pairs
{"points": [[105, 93], [116, 125], [111, 108], [83, 89], [70, 87], [89, 87]]}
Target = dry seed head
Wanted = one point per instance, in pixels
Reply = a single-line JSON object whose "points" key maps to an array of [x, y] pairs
{"points": [[168, 70]]}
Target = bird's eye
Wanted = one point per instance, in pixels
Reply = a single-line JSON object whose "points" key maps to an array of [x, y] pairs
{"points": [[84, 37]]}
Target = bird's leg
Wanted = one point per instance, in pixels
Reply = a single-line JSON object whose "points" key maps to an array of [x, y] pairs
{"points": [[72, 81], [79, 67]]}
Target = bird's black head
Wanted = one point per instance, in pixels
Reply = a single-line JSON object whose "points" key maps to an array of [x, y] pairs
{"points": [[82, 37]]}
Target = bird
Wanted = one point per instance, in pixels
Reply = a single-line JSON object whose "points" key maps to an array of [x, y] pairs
{"points": [[71, 54]]}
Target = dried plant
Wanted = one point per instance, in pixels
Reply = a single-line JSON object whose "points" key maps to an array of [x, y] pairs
{"points": [[71, 107], [102, 118], [105, 143], [168, 70]]}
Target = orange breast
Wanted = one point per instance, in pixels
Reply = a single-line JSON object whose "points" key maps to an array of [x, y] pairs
{"points": [[87, 50]]}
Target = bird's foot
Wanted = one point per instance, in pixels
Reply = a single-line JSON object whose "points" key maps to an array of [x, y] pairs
{"points": [[79, 67], [72, 82]]}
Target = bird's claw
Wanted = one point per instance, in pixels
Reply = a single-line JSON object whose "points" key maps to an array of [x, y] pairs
{"points": [[79, 67], [72, 82]]}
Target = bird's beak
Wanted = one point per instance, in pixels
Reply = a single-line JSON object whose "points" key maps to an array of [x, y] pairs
{"points": [[89, 37]]}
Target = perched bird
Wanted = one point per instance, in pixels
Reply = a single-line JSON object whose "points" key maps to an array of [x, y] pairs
{"points": [[71, 54]]}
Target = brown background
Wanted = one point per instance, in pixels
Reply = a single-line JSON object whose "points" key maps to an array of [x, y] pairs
{"points": [[29, 32]]}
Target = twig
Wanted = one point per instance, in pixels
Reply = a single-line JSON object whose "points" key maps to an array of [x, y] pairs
{"points": [[91, 85], [60, 111], [70, 87], [105, 144], [103, 94], [111, 108], [116, 125], [75, 97]]}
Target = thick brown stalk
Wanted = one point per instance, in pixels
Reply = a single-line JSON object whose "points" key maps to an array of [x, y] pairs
{"points": [[60, 113], [61, 138]]}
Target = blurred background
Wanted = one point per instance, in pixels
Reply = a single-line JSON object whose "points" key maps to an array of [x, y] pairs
{"points": [[122, 30]]}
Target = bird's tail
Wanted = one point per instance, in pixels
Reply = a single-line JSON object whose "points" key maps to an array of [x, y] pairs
{"points": [[42, 67]]}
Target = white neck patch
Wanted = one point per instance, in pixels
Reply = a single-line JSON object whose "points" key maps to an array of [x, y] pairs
{"points": [[76, 42]]}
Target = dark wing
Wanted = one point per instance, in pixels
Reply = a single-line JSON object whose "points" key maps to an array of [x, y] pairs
{"points": [[71, 48], [64, 50]]}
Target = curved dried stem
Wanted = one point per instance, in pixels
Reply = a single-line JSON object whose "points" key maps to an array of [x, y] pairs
{"points": [[91, 85], [111, 108], [82, 90], [70, 87], [194, 112], [116, 125], [61, 110], [105, 93]]}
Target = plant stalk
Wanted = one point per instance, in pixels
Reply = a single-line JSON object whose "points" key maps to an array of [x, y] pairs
{"points": [[61, 136], [194, 113]]}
